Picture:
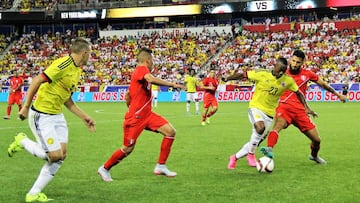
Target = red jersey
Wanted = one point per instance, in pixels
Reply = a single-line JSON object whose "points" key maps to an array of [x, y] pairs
{"points": [[213, 81], [15, 82], [140, 93], [301, 79]]}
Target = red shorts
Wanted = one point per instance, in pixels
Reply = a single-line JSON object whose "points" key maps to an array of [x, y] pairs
{"points": [[15, 98], [210, 100], [133, 126], [295, 115]]}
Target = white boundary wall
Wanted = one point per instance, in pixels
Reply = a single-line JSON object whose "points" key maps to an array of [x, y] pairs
{"points": [[175, 31]]}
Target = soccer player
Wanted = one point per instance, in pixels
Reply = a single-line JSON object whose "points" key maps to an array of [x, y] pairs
{"points": [[15, 93], [191, 94], [291, 111], [209, 84], [140, 116], [269, 86], [54, 88], [155, 92]]}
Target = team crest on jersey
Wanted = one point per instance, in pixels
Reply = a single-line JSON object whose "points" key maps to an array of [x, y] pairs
{"points": [[303, 78], [50, 141]]}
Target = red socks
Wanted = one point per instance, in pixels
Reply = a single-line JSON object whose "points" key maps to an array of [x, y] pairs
{"points": [[272, 138], [8, 111], [165, 149], [114, 159]]}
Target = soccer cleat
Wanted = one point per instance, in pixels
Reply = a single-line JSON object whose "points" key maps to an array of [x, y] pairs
{"points": [[105, 174], [203, 123], [232, 162], [40, 197], [317, 159], [161, 169], [6, 117], [267, 151], [208, 120], [16, 145], [251, 159]]}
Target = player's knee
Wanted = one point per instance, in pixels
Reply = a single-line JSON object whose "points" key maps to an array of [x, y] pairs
{"points": [[171, 132], [260, 129], [56, 156], [128, 149]]}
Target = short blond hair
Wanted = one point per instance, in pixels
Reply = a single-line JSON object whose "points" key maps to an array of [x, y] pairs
{"points": [[144, 53], [79, 44]]}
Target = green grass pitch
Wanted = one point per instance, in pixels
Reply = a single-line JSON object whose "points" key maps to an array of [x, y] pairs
{"points": [[199, 156]]}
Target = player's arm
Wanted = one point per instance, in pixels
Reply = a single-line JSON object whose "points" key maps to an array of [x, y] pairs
{"points": [[204, 87], [33, 88], [89, 122], [302, 99], [328, 88], [157, 81], [237, 76]]}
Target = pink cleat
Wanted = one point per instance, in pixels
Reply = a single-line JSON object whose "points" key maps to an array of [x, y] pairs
{"points": [[232, 162], [251, 159]]}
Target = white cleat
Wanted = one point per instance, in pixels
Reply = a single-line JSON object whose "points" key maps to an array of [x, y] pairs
{"points": [[161, 169], [105, 174], [317, 159]]}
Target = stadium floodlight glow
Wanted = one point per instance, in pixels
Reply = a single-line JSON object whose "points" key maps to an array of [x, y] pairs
{"points": [[154, 11]]}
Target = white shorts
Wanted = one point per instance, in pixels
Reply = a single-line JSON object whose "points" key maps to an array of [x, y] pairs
{"points": [[154, 93], [191, 96], [256, 115], [49, 130]]}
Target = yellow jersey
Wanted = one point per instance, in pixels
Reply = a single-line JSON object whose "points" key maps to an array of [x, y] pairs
{"points": [[268, 90], [190, 82], [63, 76]]}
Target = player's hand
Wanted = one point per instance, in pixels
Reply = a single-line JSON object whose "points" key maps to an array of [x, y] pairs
{"points": [[312, 113], [23, 113], [90, 123], [342, 98]]}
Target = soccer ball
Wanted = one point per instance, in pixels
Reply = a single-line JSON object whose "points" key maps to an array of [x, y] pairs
{"points": [[265, 164]]}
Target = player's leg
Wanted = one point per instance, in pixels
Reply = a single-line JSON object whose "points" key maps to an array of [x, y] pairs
{"points": [[260, 123], [11, 101], [197, 112], [188, 100], [52, 133], [47, 173], [207, 104], [272, 137], [19, 100], [313, 135], [37, 123], [155, 98], [159, 124], [214, 107], [132, 128], [238, 155], [284, 117]]}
